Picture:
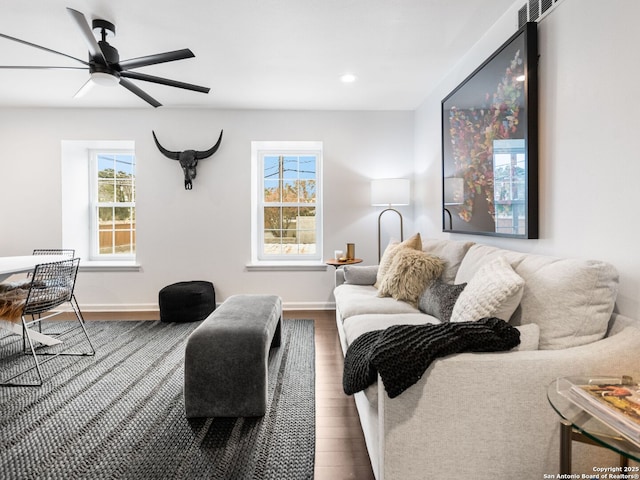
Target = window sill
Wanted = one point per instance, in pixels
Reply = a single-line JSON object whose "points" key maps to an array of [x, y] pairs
{"points": [[110, 266], [286, 267]]}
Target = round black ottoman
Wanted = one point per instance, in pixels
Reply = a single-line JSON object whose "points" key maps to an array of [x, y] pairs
{"points": [[187, 301]]}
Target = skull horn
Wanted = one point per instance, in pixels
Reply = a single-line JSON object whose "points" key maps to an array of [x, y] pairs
{"points": [[164, 151], [211, 151]]}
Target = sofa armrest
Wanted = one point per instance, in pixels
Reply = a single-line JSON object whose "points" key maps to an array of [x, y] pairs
{"points": [[475, 413], [357, 274]]}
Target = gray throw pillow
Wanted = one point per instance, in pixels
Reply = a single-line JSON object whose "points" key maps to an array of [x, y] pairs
{"points": [[439, 298], [360, 275]]}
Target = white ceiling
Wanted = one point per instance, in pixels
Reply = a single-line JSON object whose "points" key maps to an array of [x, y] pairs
{"points": [[264, 54]]}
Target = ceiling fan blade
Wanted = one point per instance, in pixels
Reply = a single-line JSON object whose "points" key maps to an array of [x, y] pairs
{"points": [[137, 91], [92, 43], [84, 89], [157, 58], [164, 81], [40, 67], [42, 48]]}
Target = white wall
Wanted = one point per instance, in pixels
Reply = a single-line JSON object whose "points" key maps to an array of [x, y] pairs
{"points": [[589, 160], [203, 233]]}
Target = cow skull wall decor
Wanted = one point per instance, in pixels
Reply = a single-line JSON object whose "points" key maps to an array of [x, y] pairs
{"points": [[188, 159]]}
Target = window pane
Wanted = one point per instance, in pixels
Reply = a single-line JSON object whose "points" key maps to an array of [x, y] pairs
{"points": [[105, 190], [105, 216], [271, 167], [106, 167], [289, 217], [289, 191], [125, 165], [123, 226], [124, 189], [308, 167], [272, 220], [307, 191], [105, 230], [290, 167], [272, 191], [272, 245]]}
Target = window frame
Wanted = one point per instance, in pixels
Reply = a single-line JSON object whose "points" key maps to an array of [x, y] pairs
{"points": [[259, 150], [95, 204]]}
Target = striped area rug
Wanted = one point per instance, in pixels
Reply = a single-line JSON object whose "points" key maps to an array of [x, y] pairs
{"points": [[120, 414]]}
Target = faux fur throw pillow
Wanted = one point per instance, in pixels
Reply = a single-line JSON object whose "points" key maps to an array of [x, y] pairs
{"points": [[409, 274], [12, 299], [414, 242]]}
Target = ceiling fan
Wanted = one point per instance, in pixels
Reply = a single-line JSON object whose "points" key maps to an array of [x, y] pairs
{"points": [[105, 66]]}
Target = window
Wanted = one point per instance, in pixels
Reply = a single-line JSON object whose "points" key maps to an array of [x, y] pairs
{"points": [[80, 215], [286, 202], [112, 206]]}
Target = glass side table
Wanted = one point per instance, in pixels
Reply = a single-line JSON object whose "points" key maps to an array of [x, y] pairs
{"points": [[580, 426]]}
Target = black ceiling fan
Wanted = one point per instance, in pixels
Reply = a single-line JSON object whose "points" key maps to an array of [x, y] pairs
{"points": [[104, 63]]}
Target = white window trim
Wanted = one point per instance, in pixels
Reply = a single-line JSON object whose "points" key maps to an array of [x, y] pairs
{"points": [[258, 149], [76, 202]]}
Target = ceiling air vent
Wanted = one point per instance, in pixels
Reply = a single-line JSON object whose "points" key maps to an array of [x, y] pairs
{"points": [[522, 15], [545, 5], [534, 10]]}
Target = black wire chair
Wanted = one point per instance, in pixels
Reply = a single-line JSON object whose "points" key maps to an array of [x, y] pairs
{"points": [[69, 252], [51, 285]]}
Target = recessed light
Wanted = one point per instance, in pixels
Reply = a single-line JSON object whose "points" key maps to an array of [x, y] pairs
{"points": [[348, 78]]}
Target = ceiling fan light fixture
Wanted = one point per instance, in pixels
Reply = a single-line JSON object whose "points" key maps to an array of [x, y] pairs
{"points": [[348, 78], [104, 79]]}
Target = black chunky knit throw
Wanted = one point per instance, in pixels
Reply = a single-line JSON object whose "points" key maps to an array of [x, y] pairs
{"points": [[402, 353]]}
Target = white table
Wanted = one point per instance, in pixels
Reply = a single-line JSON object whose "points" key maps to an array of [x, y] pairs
{"points": [[23, 264]]}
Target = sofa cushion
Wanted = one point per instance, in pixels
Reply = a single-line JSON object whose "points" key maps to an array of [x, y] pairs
{"points": [[358, 324], [414, 242], [411, 271], [494, 291], [570, 299], [529, 337], [360, 275], [451, 251], [439, 298], [361, 299]]}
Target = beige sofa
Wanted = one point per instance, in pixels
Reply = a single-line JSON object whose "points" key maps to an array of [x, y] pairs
{"points": [[486, 415]]}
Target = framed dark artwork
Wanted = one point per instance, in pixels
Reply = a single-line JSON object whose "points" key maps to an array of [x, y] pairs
{"points": [[490, 144]]}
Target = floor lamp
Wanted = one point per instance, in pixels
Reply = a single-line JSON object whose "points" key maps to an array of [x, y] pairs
{"points": [[453, 196], [390, 192]]}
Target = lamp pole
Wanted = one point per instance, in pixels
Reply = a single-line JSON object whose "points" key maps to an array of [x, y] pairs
{"points": [[388, 209]]}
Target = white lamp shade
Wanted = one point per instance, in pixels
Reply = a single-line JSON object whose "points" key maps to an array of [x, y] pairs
{"points": [[390, 191]]}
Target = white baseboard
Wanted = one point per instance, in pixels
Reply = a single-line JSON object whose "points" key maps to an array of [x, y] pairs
{"points": [[153, 307], [121, 307]]}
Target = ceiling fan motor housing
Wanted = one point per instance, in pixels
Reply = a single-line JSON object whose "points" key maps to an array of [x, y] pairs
{"points": [[110, 53]]}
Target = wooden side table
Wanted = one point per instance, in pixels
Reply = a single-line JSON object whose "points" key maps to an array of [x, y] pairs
{"points": [[341, 263]]}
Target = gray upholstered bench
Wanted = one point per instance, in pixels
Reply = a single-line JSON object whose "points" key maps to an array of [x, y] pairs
{"points": [[226, 357]]}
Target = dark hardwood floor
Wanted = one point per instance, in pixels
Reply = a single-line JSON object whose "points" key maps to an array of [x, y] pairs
{"points": [[340, 449]]}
